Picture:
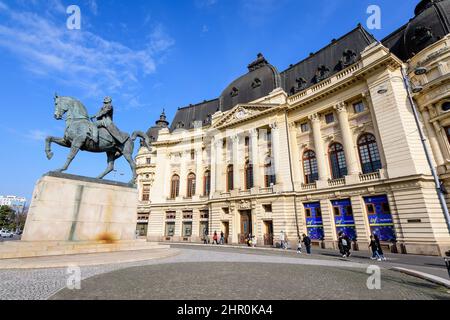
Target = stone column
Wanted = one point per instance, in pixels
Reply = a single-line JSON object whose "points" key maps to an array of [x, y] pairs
{"points": [[318, 146], [213, 164], [442, 139], [256, 162], [183, 174], [199, 171], [432, 138], [219, 184], [236, 163], [349, 146], [295, 153], [276, 157]]}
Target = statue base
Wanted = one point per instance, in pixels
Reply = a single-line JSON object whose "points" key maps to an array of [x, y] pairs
{"points": [[73, 208]]}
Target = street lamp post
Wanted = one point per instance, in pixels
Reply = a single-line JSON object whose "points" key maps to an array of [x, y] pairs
{"points": [[439, 191]]}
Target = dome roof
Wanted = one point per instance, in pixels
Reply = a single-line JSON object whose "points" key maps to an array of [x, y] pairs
{"points": [[261, 79], [153, 132], [430, 24]]}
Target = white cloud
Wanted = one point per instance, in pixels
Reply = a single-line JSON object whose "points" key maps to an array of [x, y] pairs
{"points": [[36, 135], [205, 3], [78, 57], [93, 6]]}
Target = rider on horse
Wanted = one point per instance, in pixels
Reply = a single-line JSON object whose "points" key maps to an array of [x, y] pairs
{"points": [[105, 119]]}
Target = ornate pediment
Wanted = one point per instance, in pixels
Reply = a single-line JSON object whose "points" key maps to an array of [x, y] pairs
{"points": [[243, 112]]}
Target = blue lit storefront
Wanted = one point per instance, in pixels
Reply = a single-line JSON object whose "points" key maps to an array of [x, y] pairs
{"points": [[380, 218], [314, 223], [343, 218]]}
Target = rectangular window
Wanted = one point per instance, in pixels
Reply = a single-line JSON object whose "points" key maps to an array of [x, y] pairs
{"points": [[192, 155], [349, 211], [337, 212], [304, 127], [329, 118], [149, 160], [170, 229], [308, 212], [187, 214], [359, 107], [170, 215], [370, 208], [146, 192], [204, 214], [267, 208], [318, 212], [187, 229], [385, 208]]}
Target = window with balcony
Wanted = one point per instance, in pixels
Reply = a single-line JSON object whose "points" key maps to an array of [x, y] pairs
{"points": [[369, 154], [310, 166], [230, 182], [337, 161], [175, 186], [190, 185]]}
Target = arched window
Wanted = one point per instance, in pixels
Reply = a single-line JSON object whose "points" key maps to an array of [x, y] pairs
{"points": [[248, 175], [368, 153], [337, 161], [174, 186], [310, 166], [207, 183], [190, 185], [230, 181], [269, 173]]}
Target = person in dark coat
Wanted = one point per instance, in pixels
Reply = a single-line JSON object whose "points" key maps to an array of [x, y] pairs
{"points": [[307, 242], [344, 244], [374, 247], [379, 249]]}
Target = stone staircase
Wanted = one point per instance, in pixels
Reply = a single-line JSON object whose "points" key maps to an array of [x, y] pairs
{"points": [[28, 249]]}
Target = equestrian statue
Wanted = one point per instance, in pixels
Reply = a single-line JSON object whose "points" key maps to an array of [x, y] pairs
{"points": [[100, 135]]}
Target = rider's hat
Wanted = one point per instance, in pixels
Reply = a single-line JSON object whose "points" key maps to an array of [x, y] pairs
{"points": [[107, 100]]}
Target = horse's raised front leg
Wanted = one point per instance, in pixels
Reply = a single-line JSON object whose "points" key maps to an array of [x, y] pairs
{"points": [[111, 159], [76, 145], [48, 143]]}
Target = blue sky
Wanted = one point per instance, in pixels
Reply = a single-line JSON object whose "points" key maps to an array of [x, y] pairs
{"points": [[147, 55]]}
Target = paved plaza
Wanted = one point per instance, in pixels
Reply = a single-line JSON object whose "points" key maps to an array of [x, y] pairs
{"points": [[206, 272]]}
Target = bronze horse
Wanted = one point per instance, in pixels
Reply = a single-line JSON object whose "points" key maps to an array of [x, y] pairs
{"points": [[79, 136]]}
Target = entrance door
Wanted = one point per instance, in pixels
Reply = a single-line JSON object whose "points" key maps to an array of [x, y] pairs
{"points": [[246, 226], [268, 233], [226, 230]]}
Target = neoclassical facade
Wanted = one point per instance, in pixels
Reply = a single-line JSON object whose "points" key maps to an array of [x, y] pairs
{"points": [[328, 145]]}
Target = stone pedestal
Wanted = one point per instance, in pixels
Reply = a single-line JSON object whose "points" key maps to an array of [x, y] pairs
{"points": [[73, 208]]}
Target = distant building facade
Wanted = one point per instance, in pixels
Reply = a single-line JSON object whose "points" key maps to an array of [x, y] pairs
{"points": [[16, 203], [328, 145]]}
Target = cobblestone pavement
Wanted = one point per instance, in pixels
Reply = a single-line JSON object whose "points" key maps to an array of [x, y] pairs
{"points": [[241, 281], [206, 271]]}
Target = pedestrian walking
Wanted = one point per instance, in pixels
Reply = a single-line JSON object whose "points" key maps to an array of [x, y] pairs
{"points": [[215, 238], [282, 240], [374, 247], [222, 238], [299, 246], [254, 241], [307, 242], [344, 244], [379, 249]]}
